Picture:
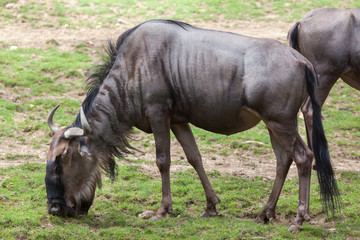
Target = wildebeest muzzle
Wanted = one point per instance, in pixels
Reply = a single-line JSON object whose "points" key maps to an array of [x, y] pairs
{"points": [[56, 203], [55, 194]]}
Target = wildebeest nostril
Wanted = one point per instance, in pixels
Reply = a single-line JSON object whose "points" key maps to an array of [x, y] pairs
{"points": [[55, 209]]}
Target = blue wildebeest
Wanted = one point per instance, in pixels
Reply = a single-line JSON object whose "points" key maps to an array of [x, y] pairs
{"points": [[163, 75], [329, 38]]}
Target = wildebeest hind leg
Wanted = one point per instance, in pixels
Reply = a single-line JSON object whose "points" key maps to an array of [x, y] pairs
{"points": [[306, 109], [185, 137], [303, 157], [160, 124], [282, 168], [291, 142]]}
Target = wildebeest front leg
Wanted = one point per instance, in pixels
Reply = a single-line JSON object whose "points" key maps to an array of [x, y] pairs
{"points": [[185, 137], [283, 163], [160, 125]]}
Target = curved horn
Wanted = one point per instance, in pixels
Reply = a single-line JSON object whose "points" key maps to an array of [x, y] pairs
{"points": [[84, 122], [77, 132], [50, 119]]}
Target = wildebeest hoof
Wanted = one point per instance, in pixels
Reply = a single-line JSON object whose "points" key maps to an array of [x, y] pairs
{"points": [[155, 218], [314, 167], [294, 227], [205, 215], [147, 214], [261, 219], [269, 216]]}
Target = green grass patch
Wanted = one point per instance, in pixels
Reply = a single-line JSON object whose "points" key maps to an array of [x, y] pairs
{"points": [[11, 156], [35, 81], [206, 9], [3, 3], [7, 115], [42, 71], [111, 12], [255, 140], [341, 121], [293, 10], [116, 206]]}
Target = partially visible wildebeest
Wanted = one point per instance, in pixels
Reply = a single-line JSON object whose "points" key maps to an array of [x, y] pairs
{"points": [[163, 75], [329, 38]]}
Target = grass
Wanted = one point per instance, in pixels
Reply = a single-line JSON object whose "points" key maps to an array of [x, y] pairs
{"points": [[109, 13], [35, 81], [41, 70], [116, 206], [255, 140], [341, 119], [10, 156]]}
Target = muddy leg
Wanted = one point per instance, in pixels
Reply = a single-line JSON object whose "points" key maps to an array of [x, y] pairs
{"points": [[160, 125], [283, 163], [185, 137]]}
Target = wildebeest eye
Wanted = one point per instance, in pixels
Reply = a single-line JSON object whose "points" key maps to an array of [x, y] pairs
{"points": [[64, 156]]}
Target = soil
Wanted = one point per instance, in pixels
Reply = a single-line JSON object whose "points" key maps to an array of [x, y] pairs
{"points": [[242, 163]]}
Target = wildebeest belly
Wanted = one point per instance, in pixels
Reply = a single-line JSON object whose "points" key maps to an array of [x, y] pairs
{"points": [[227, 121]]}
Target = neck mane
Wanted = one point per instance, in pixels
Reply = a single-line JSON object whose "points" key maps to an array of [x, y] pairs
{"points": [[108, 138]]}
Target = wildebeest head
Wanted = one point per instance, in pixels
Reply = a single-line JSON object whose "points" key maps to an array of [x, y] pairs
{"points": [[71, 171]]}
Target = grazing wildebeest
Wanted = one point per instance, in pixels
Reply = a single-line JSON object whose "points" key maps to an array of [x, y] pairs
{"points": [[329, 38], [163, 75]]}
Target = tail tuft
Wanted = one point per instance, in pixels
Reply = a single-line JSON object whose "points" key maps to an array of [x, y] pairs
{"points": [[329, 192]]}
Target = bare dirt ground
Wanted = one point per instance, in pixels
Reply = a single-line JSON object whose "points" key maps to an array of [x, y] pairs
{"points": [[241, 163]]}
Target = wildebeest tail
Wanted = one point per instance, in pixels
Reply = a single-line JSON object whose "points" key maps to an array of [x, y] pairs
{"points": [[329, 192], [293, 37]]}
